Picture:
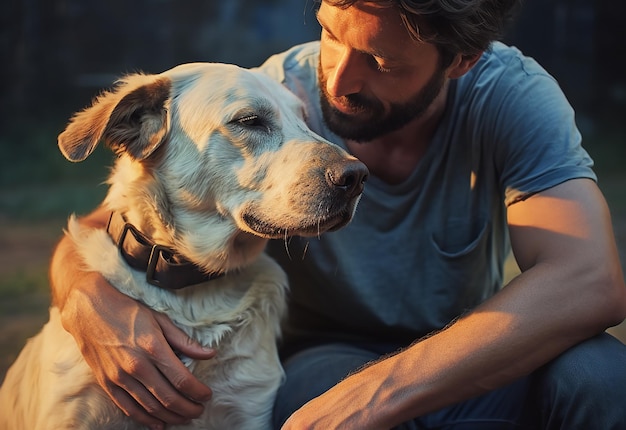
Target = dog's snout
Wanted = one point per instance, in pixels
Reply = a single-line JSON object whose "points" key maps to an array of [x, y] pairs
{"points": [[348, 176]]}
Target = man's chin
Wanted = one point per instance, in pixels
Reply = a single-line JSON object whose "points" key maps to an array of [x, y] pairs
{"points": [[351, 133], [357, 127]]}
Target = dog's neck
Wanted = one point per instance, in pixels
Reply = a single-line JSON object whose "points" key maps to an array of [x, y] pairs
{"points": [[164, 267], [204, 237]]}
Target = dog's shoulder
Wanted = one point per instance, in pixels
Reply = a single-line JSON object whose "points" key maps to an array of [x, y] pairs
{"points": [[260, 288], [268, 287]]}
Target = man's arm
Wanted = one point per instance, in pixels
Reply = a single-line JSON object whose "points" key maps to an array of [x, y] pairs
{"points": [[570, 289], [128, 346]]}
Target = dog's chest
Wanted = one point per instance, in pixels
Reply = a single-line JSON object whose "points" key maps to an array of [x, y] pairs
{"points": [[239, 308]]}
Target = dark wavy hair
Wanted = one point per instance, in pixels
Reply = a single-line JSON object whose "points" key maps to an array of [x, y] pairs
{"points": [[464, 27]]}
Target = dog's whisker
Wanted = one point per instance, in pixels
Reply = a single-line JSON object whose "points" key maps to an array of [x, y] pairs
{"points": [[306, 247], [286, 237]]}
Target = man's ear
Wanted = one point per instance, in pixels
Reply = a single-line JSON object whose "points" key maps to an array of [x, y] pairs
{"points": [[462, 64]]}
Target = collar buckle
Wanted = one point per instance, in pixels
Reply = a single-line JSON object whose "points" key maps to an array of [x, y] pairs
{"points": [[157, 253], [162, 269]]}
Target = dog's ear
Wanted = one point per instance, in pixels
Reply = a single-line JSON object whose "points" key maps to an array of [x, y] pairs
{"points": [[130, 119]]}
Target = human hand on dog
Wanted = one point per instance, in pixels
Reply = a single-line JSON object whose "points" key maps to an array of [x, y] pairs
{"points": [[132, 357], [129, 347]]}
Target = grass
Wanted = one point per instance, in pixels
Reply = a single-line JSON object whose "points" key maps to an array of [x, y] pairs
{"points": [[54, 200], [21, 283]]}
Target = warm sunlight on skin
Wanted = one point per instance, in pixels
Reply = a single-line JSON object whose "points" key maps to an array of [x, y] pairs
{"points": [[559, 210], [472, 180], [353, 59]]}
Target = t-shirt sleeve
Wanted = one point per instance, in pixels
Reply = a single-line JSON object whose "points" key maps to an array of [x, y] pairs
{"points": [[293, 65], [537, 142]]}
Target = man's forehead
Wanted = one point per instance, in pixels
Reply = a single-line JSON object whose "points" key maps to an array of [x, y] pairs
{"points": [[376, 28]]}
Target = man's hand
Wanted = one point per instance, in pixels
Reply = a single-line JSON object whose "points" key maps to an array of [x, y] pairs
{"points": [[353, 403], [324, 412], [129, 347], [130, 350]]}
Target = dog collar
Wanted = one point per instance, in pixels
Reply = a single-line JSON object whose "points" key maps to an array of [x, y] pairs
{"points": [[163, 266]]}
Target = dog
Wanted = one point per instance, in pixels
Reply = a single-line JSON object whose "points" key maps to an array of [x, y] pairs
{"points": [[213, 160]]}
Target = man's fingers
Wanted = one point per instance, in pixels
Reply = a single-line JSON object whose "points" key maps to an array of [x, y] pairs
{"points": [[182, 381], [171, 367], [140, 402], [179, 340], [142, 391], [131, 408], [171, 386]]}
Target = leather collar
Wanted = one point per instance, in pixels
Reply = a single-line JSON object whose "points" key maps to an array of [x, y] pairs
{"points": [[163, 266]]}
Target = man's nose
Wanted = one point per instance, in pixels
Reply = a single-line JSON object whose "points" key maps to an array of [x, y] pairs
{"points": [[347, 75]]}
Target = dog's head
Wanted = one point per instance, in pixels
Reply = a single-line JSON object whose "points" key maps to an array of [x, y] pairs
{"points": [[215, 159]]}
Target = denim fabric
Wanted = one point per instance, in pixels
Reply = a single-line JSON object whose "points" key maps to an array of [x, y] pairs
{"points": [[584, 389]]}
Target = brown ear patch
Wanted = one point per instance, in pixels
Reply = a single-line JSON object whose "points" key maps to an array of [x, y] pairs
{"points": [[139, 122], [132, 118]]}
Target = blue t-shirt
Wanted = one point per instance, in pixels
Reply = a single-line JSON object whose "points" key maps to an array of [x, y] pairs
{"points": [[420, 253]]}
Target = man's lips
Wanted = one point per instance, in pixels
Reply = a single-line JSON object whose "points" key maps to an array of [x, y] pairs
{"points": [[345, 107]]}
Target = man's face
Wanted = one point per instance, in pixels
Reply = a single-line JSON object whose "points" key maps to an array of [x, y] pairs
{"points": [[373, 77]]}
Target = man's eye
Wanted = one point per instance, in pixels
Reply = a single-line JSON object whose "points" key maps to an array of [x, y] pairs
{"points": [[380, 67], [326, 35]]}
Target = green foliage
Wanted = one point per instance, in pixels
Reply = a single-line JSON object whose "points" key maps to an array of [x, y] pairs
{"points": [[22, 283], [35, 158], [37, 182]]}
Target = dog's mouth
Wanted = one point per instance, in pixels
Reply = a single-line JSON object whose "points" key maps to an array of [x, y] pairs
{"points": [[315, 227]]}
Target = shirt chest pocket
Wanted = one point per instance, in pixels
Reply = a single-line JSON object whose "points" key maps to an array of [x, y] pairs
{"points": [[462, 265], [460, 238]]}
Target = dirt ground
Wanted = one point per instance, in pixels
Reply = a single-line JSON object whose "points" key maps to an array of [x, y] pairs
{"points": [[25, 249]]}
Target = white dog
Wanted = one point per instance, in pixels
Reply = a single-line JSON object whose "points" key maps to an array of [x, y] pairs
{"points": [[213, 160]]}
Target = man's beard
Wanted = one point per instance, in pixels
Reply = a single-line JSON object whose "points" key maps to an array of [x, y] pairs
{"points": [[372, 122]]}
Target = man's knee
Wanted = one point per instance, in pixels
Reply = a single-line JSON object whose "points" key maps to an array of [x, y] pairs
{"points": [[595, 363], [582, 385]]}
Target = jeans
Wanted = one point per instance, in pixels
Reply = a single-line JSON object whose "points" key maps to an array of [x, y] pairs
{"points": [[584, 388]]}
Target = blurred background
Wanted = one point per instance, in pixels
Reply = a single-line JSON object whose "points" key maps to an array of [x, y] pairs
{"points": [[58, 54]]}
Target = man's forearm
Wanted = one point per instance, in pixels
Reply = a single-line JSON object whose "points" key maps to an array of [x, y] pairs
{"points": [[485, 350], [506, 338], [66, 271]]}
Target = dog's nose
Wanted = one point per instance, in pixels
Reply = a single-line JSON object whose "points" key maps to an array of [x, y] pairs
{"points": [[350, 176]]}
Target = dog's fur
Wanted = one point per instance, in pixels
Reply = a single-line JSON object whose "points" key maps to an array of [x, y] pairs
{"points": [[213, 160]]}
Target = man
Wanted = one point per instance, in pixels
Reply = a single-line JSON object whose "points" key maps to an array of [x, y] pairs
{"points": [[470, 148]]}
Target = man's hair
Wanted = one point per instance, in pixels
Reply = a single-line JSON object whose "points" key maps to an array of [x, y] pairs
{"points": [[464, 27]]}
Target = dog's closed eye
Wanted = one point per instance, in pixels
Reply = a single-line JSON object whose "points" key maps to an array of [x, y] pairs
{"points": [[254, 121]]}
